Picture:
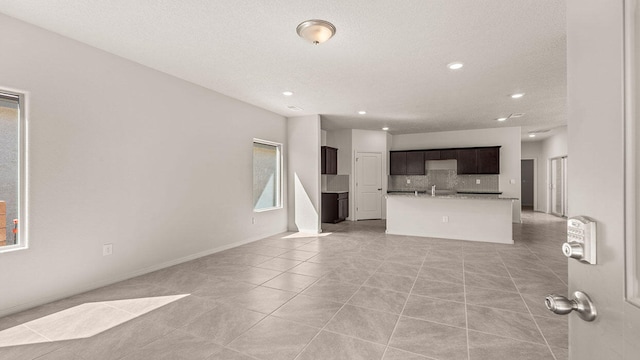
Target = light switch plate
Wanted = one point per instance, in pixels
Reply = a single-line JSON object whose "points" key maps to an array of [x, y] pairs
{"points": [[107, 249]]}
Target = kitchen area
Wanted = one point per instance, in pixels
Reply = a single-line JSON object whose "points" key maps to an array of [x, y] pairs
{"points": [[450, 193], [462, 185]]}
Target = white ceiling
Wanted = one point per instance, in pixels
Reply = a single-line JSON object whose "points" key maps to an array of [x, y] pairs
{"points": [[387, 57]]}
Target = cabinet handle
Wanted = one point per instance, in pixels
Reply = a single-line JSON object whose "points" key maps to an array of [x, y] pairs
{"points": [[380, 189]]}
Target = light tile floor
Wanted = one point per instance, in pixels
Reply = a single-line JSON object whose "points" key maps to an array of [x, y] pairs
{"points": [[355, 294]]}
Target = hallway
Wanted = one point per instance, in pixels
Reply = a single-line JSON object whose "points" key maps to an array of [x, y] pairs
{"points": [[352, 293]]}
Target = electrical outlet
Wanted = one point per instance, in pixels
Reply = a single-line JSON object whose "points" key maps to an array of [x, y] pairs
{"points": [[107, 249], [477, 181], [445, 219], [408, 181]]}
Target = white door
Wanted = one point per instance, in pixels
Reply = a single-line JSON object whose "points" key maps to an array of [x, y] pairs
{"points": [[597, 98], [368, 186]]}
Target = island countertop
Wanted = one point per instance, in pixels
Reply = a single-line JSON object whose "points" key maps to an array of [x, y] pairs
{"points": [[452, 196]]}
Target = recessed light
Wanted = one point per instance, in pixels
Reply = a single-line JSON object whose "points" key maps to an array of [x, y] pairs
{"points": [[362, 112], [532, 135], [385, 128], [455, 65], [501, 119], [287, 93], [517, 95]]}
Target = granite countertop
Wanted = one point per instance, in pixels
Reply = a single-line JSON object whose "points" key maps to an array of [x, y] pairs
{"points": [[453, 196]]}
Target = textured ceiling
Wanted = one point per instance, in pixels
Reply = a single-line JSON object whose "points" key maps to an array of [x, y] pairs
{"points": [[387, 57]]}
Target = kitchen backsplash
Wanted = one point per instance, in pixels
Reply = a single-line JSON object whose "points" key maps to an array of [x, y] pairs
{"points": [[445, 179], [335, 183]]}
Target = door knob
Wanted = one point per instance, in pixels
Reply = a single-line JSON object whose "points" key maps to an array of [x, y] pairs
{"points": [[581, 303]]}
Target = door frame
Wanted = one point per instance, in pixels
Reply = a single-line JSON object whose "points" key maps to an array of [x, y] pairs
{"points": [[535, 182], [356, 198], [632, 144], [565, 185]]}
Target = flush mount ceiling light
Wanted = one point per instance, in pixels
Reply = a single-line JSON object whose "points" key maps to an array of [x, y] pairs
{"points": [[501, 119], [532, 135], [287, 93], [455, 65], [316, 31], [385, 128], [517, 95], [362, 112]]}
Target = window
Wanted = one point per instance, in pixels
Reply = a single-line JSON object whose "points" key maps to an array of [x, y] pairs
{"points": [[267, 175], [11, 167]]}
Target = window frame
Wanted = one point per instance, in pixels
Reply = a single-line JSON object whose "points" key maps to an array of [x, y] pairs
{"points": [[279, 174], [23, 239]]}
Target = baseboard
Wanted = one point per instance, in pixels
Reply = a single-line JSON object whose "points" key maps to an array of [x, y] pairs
{"points": [[95, 285]]}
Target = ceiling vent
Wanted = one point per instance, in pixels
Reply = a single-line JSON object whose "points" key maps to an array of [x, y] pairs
{"points": [[516, 115], [294, 108]]}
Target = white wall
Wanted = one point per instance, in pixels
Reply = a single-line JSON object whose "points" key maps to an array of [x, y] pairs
{"points": [[508, 138], [342, 140], [123, 154], [304, 139], [544, 150]]}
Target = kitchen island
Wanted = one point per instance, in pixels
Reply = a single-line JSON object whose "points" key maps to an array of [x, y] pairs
{"points": [[470, 217]]}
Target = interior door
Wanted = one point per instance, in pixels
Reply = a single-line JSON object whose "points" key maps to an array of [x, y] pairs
{"points": [[368, 186], [598, 97], [527, 175]]}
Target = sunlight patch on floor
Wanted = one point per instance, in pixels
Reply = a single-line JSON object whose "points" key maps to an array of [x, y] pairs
{"points": [[300, 235], [82, 321]]}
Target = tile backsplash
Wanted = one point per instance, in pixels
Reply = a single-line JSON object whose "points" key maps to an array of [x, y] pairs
{"points": [[335, 183], [445, 179]]}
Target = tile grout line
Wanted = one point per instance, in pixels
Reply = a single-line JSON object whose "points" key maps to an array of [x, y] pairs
{"points": [[405, 304], [334, 315], [530, 313], [466, 305]]}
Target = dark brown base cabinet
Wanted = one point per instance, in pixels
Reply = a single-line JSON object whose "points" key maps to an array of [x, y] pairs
{"points": [[335, 207]]}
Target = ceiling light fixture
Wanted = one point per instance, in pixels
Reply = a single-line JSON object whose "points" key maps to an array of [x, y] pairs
{"points": [[287, 93], [501, 119], [362, 112], [316, 31], [517, 95], [385, 128], [532, 135], [455, 65]]}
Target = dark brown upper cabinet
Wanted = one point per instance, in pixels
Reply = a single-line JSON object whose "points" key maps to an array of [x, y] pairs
{"points": [[449, 154], [415, 162], [432, 155], [467, 161], [398, 163], [328, 160], [488, 160], [481, 160], [406, 163]]}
